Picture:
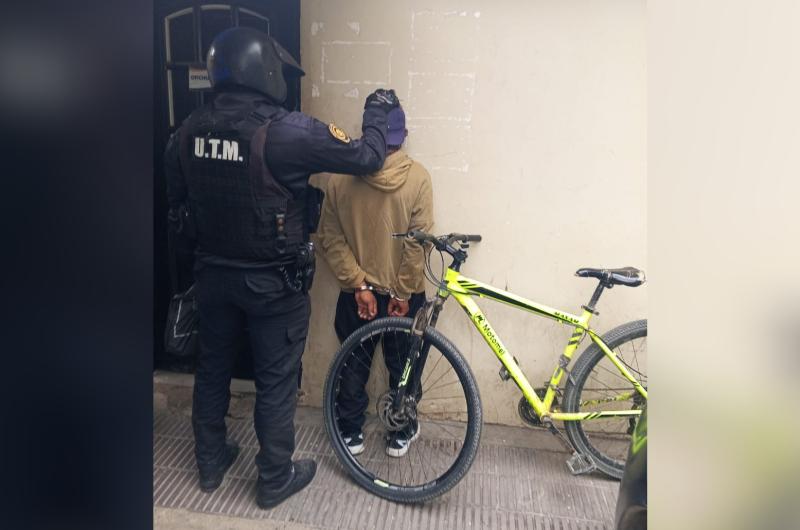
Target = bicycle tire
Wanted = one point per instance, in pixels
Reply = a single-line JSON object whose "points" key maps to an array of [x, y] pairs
{"points": [[469, 448], [585, 366]]}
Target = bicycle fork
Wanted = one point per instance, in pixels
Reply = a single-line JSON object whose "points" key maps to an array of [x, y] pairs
{"points": [[411, 379]]}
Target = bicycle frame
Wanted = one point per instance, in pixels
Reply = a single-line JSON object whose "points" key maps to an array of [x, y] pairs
{"points": [[463, 289]]}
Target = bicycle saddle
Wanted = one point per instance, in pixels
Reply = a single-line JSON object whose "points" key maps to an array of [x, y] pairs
{"points": [[630, 276]]}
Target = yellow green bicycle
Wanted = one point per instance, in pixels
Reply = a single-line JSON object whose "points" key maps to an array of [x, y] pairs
{"points": [[420, 436]]}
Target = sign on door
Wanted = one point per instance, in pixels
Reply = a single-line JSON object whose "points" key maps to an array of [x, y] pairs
{"points": [[198, 79]]}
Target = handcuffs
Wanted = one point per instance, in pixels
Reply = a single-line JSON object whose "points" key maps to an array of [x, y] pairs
{"points": [[367, 287]]}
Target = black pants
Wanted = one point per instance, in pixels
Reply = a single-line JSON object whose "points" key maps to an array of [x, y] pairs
{"points": [[230, 300], [353, 399]]}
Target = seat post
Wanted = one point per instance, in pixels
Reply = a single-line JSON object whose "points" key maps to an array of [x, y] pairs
{"points": [[595, 298]]}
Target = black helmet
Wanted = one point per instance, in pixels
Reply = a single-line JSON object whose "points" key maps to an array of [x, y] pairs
{"points": [[250, 58]]}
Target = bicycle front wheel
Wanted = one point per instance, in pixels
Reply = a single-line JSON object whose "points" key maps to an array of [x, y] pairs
{"points": [[595, 385], [430, 447]]}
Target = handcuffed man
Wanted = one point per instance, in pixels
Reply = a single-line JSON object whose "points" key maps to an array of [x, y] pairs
{"points": [[378, 275]]}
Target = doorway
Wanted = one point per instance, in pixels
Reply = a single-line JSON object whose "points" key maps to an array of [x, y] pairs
{"points": [[183, 31]]}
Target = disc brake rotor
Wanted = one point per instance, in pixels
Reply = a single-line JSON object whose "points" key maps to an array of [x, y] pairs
{"points": [[392, 420]]}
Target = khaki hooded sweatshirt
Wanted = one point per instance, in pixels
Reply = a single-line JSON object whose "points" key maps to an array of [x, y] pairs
{"points": [[359, 216]]}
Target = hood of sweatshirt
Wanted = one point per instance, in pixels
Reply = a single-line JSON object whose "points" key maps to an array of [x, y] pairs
{"points": [[393, 174]]}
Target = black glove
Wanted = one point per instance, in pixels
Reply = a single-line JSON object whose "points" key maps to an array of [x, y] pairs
{"points": [[385, 100]]}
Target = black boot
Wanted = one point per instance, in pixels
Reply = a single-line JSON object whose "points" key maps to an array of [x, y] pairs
{"points": [[209, 481], [302, 473]]}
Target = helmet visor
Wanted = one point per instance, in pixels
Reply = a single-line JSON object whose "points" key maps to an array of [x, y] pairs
{"points": [[292, 66]]}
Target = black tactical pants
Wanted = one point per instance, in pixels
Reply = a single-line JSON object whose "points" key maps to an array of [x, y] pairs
{"points": [[276, 321], [352, 399]]}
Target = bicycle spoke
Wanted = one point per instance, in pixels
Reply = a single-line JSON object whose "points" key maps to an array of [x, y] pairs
{"points": [[448, 431], [422, 461], [357, 375], [441, 398], [431, 389], [642, 377], [422, 384], [443, 412], [614, 373], [631, 368], [635, 357], [602, 383], [440, 378]]}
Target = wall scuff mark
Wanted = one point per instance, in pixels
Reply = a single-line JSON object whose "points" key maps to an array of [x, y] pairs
{"points": [[355, 26]]}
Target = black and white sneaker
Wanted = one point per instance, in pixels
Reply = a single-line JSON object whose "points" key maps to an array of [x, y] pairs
{"points": [[355, 443], [400, 441]]}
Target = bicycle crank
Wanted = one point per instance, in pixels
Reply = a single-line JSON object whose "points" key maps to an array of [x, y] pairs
{"points": [[527, 413], [578, 463]]}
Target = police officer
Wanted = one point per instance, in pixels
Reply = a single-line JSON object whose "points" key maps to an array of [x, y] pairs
{"points": [[240, 166]]}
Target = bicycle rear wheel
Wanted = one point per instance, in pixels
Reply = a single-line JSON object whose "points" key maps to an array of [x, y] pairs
{"points": [[447, 413], [596, 385]]}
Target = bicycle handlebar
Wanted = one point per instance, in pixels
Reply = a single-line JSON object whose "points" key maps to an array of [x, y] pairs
{"points": [[440, 242], [445, 244]]}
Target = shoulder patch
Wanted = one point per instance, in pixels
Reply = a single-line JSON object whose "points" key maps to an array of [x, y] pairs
{"points": [[339, 134]]}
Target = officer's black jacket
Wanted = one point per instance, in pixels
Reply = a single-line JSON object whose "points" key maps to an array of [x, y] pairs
{"points": [[297, 145]]}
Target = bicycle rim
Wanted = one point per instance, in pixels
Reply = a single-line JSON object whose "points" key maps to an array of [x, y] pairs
{"points": [[600, 387], [446, 416]]}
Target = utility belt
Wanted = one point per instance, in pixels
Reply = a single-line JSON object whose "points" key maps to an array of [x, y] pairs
{"points": [[297, 272], [299, 276]]}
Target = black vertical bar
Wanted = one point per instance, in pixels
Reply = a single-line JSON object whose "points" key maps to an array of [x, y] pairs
{"points": [[160, 103], [596, 296], [235, 17], [198, 33], [198, 48]]}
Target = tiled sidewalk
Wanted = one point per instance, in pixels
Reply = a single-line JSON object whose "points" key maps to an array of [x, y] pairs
{"points": [[518, 481]]}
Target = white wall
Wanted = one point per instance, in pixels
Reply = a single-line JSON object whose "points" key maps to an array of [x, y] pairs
{"points": [[530, 117]]}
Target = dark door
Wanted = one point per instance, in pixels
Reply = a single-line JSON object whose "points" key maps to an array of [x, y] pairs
{"points": [[183, 33]]}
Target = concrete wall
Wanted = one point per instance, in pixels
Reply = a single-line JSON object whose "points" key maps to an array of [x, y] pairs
{"points": [[530, 117]]}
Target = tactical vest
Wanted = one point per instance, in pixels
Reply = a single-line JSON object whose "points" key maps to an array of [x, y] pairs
{"points": [[240, 210]]}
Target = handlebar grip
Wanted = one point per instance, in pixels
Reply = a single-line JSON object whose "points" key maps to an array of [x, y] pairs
{"points": [[466, 238]]}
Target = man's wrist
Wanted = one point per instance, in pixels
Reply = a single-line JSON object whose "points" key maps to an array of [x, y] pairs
{"points": [[396, 296], [364, 287]]}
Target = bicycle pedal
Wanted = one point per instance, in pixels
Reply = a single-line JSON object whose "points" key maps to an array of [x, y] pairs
{"points": [[579, 464]]}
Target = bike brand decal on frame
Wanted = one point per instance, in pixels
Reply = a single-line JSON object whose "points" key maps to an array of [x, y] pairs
{"points": [[488, 332], [406, 373]]}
